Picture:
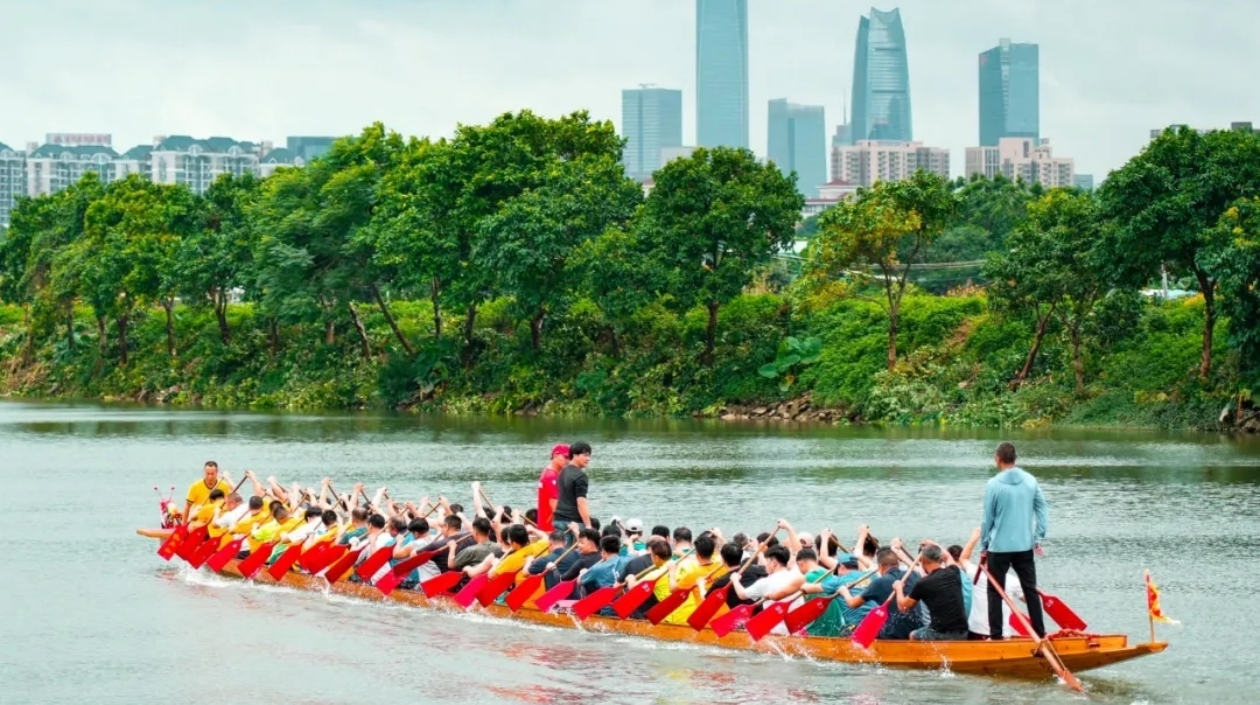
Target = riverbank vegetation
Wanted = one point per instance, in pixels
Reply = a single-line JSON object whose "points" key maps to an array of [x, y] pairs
{"points": [[514, 268]]}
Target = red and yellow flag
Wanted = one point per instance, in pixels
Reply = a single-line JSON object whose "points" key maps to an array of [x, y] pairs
{"points": [[1152, 602]]}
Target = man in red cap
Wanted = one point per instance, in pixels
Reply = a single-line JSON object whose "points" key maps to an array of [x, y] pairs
{"points": [[548, 487]]}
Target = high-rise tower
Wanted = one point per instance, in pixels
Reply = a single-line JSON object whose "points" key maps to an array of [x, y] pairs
{"points": [[722, 73], [796, 141], [881, 80], [1010, 92], [651, 118]]}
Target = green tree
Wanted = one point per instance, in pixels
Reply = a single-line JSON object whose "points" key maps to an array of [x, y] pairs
{"points": [[1164, 204], [1051, 269], [1234, 258], [712, 219], [217, 257], [529, 241], [876, 238]]}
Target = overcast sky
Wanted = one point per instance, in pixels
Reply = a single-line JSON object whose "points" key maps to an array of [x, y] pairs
{"points": [[264, 69]]}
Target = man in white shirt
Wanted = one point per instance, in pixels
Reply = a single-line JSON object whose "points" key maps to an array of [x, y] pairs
{"points": [[235, 509], [781, 580], [314, 518]]}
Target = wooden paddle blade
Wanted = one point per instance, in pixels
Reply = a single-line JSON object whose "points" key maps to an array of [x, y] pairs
{"points": [[594, 602], [708, 607], [224, 555], [1017, 625], [388, 582], [799, 619], [560, 592], [437, 585], [254, 561], [172, 542], [203, 553], [374, 563], [405, 567], [338, 570], [731, 621], [285, 562], [766, 620], [468, 594], [328, 557], [309, 560], [868, 629], [494, 587], [1062, 615], [633, 598], [189, 545], [521, 593], [669, 605]]}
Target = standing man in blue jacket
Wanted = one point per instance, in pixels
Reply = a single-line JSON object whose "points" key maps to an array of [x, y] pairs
{"points": [[1014, 526]]}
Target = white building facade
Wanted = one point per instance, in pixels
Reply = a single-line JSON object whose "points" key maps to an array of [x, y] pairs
{"points": [[12, 180], [1022, 158], [868, 161]]}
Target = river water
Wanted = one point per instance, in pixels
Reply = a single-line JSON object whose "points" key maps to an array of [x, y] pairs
{"points": [[91, 614]]}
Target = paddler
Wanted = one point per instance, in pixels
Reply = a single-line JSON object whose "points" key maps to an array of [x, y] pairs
{"points": [[694, 571], [199, 491]]}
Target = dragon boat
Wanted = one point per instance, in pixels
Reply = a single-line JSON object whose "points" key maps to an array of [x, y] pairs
{"points": [[1017, 657]]}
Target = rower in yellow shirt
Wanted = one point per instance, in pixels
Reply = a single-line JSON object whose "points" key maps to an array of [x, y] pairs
{"points": [[203, 514], [199, 492], [689, 573], [522, 549]]}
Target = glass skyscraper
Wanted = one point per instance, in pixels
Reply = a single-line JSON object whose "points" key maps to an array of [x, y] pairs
{"points": [[796, 140], [1010, 103], [651, 118], [722, 73], [881, 80]]}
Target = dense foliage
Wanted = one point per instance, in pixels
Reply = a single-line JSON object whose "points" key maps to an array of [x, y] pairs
{"points": [[513, 267]]}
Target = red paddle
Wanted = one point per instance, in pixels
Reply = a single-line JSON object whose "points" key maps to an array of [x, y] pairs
{"points": [[189, 546], [868, 629], [172, 542], [286, 560], [392, 579], [799, 619], [224, 555], [330, 556], [1062, 615], [312, 555], [441, 583], [595, 601], [374, 563], [203, 553], [254, 562], [709, 607], [669, 605], [731, 621], [494, 587], [338, 570], [467, 595], [1018, 626], [625, 605], [521, 593], [561, 591]]}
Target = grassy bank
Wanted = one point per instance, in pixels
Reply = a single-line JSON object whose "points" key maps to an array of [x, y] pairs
{"points": [[957, 364]]}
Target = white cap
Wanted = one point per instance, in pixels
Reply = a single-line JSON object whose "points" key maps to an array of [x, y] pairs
{"points": [[634, 525]]}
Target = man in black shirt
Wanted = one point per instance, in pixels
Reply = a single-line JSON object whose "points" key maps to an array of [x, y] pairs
{"points": [[572, 507], [732, 556], [941, 590], [452, 532], [539, 565], [587, 555]]}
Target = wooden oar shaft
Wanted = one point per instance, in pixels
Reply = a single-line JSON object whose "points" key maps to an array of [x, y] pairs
{"points": [[1043, 644], [562, 556]]}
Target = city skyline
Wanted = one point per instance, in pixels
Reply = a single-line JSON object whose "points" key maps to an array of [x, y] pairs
{"points": [[796, 141], [266, 70], [651, 118]]}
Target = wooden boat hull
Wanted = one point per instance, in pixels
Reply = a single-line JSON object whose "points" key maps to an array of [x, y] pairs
{"points": [[1015, 657]]}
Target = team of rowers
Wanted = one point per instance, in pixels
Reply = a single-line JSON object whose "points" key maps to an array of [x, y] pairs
{"points": [[929, 595]]}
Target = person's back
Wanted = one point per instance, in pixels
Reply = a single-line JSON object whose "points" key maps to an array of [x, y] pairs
{"points": [[1014, 512], [1015, 522]]}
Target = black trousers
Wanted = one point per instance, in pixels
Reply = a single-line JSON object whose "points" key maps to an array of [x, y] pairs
{"points": [[1026, 570]]}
